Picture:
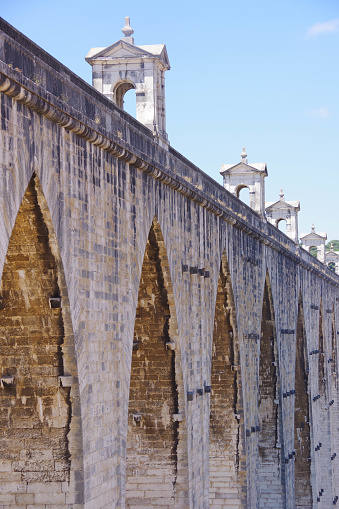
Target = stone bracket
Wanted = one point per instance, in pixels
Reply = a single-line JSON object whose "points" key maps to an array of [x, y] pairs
{"points": [[65, 381], [7, 381]]}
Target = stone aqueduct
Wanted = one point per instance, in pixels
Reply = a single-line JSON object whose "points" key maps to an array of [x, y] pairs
{"points": [[161, 344]]}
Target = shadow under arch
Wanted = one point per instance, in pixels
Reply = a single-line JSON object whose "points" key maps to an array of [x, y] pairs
{"points": [[227, 462], [269, 411], [302, 409], [38, 358], [156, 438]]}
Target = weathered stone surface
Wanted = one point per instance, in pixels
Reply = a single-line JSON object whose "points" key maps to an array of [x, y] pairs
{"points": [[100, 181]]}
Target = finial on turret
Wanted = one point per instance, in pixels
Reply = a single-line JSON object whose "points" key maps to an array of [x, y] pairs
{"points": [[313, 228], [128, 31], [281, 195], [243, 156]]}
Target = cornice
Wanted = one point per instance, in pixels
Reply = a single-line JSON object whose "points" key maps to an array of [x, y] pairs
{"points": [[35, 97]]}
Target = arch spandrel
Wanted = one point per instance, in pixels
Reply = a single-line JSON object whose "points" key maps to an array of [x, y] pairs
{"points": [[45, 426]]}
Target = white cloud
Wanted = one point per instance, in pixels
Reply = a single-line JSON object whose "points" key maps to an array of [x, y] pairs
{"points": [[320, 113], [323, 28]]}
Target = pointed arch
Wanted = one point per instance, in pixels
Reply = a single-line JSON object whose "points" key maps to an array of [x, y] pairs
{"points": [[333, 404], [13, 185], [44, 434], [270, 433], [321, 356], [227, 471], [333, 352], [156, 462], [302, 430]]}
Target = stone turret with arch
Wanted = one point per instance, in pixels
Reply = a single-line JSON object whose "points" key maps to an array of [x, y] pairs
{"points": [[240, 175], [332, 259], [315, 239], [124, 66], [282, 210]]}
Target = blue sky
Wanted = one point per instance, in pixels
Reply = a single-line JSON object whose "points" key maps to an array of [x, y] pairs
{"points": [[260, 74]]}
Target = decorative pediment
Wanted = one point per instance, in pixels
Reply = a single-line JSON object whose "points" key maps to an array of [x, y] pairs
{"points": [[332, 256], [122, 49], [313, 236], [244, 168], [116, 50], [282, 205]]}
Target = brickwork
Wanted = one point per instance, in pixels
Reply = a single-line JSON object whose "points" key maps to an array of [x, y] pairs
{"points": [[334, 407], [302, 438], [226, 474], [270, 460], [153, 434], [100, 180], [35, 404]]}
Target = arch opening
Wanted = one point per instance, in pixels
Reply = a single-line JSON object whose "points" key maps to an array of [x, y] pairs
{"points": [[156, 463], [124, 99], [243, 193], [334, 392], [281, 224], [269, 436], [321, 362], [302, 437], [334, 353], [331, 266], [43, 438], [313, 251], [226, 443]]}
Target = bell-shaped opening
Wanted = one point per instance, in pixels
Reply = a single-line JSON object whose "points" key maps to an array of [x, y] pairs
{"points": [[331, 266], [313, 251], [156, 471], [302, 437], [281, 224], [124, 97], [243, 193], [39, 396], [226, 448], [269, 432]]}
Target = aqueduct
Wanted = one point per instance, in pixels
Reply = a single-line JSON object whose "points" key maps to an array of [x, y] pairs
{"points": [[162, 345]]}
